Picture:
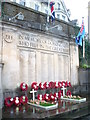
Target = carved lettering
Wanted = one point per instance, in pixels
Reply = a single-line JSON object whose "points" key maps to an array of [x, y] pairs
{"points": [[8, 38], [35, 42]]}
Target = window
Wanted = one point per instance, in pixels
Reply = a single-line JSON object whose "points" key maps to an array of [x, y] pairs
{"points": [[36, 7], [22, 2], [63, 17], [14, 0], [58, 16], [58, 6], [46, 11]]}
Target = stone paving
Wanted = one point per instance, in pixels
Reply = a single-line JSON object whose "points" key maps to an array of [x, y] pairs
{"points": [[66, 110]]}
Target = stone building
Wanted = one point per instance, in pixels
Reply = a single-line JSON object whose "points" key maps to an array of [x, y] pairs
{"points": [[61, 12], [33, 50]]}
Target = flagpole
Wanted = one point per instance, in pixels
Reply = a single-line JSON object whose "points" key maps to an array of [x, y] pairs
{"points": [[83, 48], [83, 43], [48, 12]]}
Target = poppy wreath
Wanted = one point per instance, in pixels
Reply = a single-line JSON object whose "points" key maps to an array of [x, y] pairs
{"points": [[59, 94], [51, 96], [68, 84], [60, 84], [47, 97], [56, 85], [23, 100], [42, 87], [40, 97], [52, 84], [56, 95], [17, 101], [9, 101], [24, 86], [68, 93], [63, 83], [46, 85], [34, 86]]}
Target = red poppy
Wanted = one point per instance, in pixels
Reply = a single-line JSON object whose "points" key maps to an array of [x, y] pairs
{"points": [[46, 85], [17, 101], [68, 93], [9, 101], [23, 99], [42, 87], [56, 85], [34, 86], [40, 97], [56, 95], [23, 86], [59, 94], [52, 84], [63, 83], [51, 96], [46, 97], [59, 84]]}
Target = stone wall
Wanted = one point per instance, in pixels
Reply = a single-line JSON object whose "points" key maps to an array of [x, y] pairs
{"points": [[34, 19], [33, 56]]}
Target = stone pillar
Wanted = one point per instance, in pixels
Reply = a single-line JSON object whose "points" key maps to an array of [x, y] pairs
{"points": [[74, 64]]}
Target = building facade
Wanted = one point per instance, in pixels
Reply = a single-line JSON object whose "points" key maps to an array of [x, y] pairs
{"points": [[61, 12]]}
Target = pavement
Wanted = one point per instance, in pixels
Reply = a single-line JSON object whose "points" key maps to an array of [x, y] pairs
{"points": [[66, 111]]}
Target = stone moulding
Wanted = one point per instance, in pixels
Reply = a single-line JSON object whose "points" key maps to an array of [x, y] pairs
{"points": [[75, 100], [42, 107]]}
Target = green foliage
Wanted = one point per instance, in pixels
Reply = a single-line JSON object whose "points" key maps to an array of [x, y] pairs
{"points": [[85, 66], [84, 62], [46, 104]]}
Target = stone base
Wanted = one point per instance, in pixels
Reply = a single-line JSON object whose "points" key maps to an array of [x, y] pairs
{"points": [[42, 107], [75, 100]]}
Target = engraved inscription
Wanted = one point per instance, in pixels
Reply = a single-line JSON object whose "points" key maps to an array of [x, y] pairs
{"points": [[42, 43]]}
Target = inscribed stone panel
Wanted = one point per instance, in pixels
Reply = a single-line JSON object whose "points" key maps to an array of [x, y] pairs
{"points": [[24, 66], [44, 67], [31, 67], [50, 67], [56, 67], [61, 67], [38, 67], [66, 67]]}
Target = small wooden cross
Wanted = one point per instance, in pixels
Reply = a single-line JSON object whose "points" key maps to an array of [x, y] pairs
{"points": [[33, 91]]}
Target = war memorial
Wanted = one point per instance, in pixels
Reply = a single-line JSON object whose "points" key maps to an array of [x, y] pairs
{"points": [[36, 58]]}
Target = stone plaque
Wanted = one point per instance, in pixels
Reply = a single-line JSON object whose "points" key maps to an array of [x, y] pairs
{"points": [[42, 43]]}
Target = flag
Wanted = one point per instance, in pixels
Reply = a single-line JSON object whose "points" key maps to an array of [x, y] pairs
{"points": [[80, 35], [52, 11]]}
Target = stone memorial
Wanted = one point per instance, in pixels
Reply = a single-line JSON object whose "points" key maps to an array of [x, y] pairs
{"points": [[28, 52]]}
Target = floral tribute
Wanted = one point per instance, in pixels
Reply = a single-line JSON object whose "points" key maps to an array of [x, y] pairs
{"points": [[22, 100], [24, 86], [51, 85]]}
